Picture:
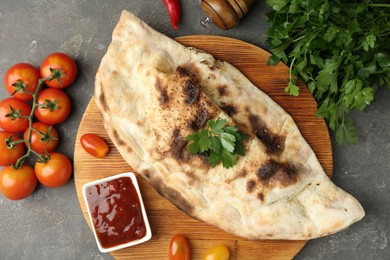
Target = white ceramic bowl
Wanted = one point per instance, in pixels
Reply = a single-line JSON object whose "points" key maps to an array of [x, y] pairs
{"points": [[148, 234]]}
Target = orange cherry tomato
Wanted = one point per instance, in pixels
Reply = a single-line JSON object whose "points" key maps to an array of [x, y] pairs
{"points": [[16, 124], [94, 145], [55, 172], [42, 140], [9, 155], [179, 248], [21, 74], [64, 63], [219, 252], [17, 184], [54, 108]]}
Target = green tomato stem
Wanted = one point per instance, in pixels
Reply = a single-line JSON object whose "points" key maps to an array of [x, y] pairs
{"points": [[30, 117]]}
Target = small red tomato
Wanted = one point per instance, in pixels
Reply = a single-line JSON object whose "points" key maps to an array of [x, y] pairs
{"points": [[54, 106], [17, 184], [12, 112], [94, 145], [61, 64], [21, 76], [55, 172], [179, 248], [9, 155], [218, 252], [44, 138]]}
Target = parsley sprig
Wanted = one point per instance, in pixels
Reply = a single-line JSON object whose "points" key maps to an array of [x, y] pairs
{"points": [[220, 142], [340, 49]]}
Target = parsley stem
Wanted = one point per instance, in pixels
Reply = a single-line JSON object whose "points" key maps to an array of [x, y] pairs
{"points": [[380, 5], [290, 69], [380, 71]]}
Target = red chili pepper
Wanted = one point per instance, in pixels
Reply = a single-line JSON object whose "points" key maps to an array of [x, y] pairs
{"points": [[173, 7]]}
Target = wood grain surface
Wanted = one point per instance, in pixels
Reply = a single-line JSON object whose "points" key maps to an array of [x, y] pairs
{"points": [[165, 219]]}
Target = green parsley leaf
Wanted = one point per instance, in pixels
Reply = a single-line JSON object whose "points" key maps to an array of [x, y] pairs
{"points": [[330, 34], [227, 141], [340, 49], [194, 146], [204, 141], [214, 159], [369, 42], [222, 143], [217, 125], [292, 89], [216, 145], [277, 4], [228, 159]]}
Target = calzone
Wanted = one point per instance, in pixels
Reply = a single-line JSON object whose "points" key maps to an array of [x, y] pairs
{"points": [[153, 92]]}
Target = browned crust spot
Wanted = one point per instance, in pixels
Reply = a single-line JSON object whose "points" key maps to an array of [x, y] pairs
{"points": [[129, 149], [241, 174], [172, 195], [192, 178], [204, 158], [117, 138], [179, 147], [260, 196], [102, 99], [189, 70], [229, 109], [163, 98], [277, 174], [250, 185], [275, 144], [146, 173], [211, 65], [222, 90], [192, 92], [200, 120]]}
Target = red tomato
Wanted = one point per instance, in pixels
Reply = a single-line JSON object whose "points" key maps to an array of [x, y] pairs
{"points": [[179, 248], [22, 74], [54, 106], [10, 124], [64, 64], [219, 252], [17, 184], [94, 145], [9, 155], [42, 139], [55, 172]]}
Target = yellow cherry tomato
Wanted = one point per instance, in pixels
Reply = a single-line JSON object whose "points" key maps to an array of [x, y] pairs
{"points": [[219, 252]]}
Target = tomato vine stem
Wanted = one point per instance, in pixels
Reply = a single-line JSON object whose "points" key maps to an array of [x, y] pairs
{"points": [[30, 117]]}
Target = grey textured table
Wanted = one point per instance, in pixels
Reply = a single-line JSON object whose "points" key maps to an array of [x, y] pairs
{"points": [[50, 225]]}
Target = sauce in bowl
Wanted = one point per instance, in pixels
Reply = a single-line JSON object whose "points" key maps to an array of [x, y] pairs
{"points": [[116, 212]]}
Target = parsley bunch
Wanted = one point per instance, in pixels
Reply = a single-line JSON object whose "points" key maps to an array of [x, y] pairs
{"points": [[219, 142], [339, 49]]}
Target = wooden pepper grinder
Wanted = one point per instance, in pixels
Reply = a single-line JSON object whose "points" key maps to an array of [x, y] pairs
{"points": [[225, 14]]}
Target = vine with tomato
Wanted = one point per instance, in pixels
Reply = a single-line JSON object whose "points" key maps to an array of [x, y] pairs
{"points": [[31, 125]]}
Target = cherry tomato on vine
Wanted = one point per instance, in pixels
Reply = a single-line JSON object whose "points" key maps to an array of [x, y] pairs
{"points": [[55, 172], [21, 76], [54, 106], [44, 138], [9, 155], [179, 248], [219, 252], [94, 145], [62, 64], [17, 184], [11, 112]]}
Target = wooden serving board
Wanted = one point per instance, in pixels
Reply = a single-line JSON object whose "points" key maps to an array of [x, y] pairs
{"points": [[165, 219]]}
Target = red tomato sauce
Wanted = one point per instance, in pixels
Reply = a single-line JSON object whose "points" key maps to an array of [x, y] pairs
{"points": [[116, 212]]}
